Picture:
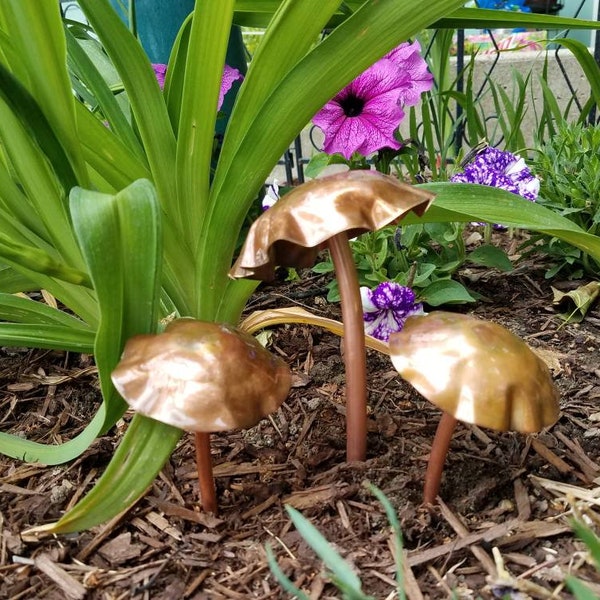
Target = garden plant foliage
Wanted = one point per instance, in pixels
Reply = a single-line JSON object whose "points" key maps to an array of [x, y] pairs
{"points": [[118, 207]]}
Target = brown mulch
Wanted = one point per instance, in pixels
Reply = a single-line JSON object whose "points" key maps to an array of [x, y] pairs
{"points": [[502, 526]]}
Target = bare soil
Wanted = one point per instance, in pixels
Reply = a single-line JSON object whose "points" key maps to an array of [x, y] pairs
{"points": [[502, 527]]}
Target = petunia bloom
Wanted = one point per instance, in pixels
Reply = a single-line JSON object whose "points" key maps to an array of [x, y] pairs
{"points": [[364, 116], [386, 308], [500, 169], [408, 59], [271, 195], [230, 76]]}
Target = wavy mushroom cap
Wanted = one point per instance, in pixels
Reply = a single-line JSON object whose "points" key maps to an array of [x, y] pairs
{"points": [[201, 376], [477, 371], [292, 232]]}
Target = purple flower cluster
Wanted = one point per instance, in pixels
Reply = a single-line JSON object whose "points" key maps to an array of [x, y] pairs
{"points": [[365, 114], [230, 76], [386, 308], [503, 170]]}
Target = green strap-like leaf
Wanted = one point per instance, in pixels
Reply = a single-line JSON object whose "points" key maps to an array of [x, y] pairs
{"points": [[467, 202], [121, 240], [36, 31], [209, 34], [19, 309], [143, 451], [85, 70]]}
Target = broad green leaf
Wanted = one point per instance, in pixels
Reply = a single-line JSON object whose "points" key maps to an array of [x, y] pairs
{"points": [[465, 202], [445, 291], [11, 281], [120, 237], [143, 92], [145, 448], [107, 154], [490, 256]]}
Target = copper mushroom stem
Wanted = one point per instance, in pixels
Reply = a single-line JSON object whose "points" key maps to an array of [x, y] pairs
{"points": [[325, 213], [437, 457], [206, 481], [355, 361], [201, 377], [476, 372]]}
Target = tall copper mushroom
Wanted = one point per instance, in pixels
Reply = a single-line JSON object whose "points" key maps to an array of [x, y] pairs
{"points": [[202, 377], [325, 213], [475, 371]]}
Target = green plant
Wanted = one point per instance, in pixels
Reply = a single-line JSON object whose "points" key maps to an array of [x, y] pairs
{"points": [[129, 223], [340, 573], [343, 577], [569, 168], [423, 256]]}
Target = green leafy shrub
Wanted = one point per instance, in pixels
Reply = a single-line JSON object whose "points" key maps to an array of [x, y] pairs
{"points": [[568, 165]]}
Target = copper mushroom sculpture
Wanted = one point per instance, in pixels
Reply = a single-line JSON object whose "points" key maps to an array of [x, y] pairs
{"points": [[325, 213], [202, 377], [476, 372]]}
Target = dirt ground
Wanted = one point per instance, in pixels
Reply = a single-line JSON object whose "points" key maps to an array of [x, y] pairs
{"points": [[502, 528]]}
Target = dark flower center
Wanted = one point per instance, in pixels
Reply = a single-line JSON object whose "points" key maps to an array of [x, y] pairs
{"points": [[352, 105]]}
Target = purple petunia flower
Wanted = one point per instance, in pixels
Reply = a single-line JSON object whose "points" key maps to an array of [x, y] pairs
{"points": [[503, 170], [230, 76], [365, 114], [408, 58], [386, 308]]}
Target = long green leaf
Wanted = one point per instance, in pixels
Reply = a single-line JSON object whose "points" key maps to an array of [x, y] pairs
{"points": [[587, 62], [143, 451], [209, 34], [121, 240], [467, 202], [479, 18], [48, 454], [25, 310], [341, 571], [86, 71], [32, 26]]}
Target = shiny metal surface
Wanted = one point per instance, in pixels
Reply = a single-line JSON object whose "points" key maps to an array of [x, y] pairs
{"points": [[477, 371], [293, 231], [201, 376]]}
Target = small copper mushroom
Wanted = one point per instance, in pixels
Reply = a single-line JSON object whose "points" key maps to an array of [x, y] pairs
{"points": [[326, 212], [202, 377], [477, 372]]}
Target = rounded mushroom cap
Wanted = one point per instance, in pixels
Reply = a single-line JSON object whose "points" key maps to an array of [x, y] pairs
{"points": [[201, 376], [477, 371], [291, 233]]}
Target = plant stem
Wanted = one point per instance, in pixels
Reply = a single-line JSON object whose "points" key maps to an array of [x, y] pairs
{"points": [[437, 457], [206, 481], [355, 360]]}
